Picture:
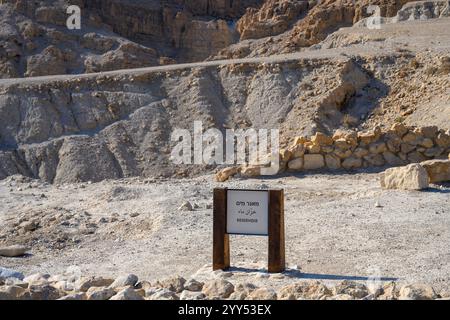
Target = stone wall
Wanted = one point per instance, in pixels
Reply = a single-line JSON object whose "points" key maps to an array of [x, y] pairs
{"points": [[347, 150]]}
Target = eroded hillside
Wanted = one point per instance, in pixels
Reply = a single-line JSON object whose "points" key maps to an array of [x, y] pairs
{"points": [[118, 124]]}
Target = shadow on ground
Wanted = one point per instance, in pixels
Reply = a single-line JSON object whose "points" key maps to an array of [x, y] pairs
{"points": [[314, 276]]}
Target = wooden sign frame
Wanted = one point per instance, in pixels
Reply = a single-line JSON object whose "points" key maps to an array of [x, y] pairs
{"points": [[221, 239]]}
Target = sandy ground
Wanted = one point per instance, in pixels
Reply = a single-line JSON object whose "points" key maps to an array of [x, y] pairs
{"points": [[334, 230]]}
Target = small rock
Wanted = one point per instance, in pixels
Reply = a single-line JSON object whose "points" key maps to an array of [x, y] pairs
{"points": [[193, 285], [164, 294], [74, 297], [29, 225], [192, 295], [417, 292], [354, 289], [342, 296], [218, 288], [13, 251], [175, 284], [127, 294], [123, 281], [84, 284], [99, 293], [263, 294], [238, 295], [11, 293], [186, 206], [44, 292]]}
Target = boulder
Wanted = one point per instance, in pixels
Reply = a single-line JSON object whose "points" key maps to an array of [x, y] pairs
{"points": [[360, 152], [313, 148], [426, 143], [43, 292], [99, 293], [378, 147], [438, 170], [164, 294], [354, 289], [416, 157], [406, 147], [367, 138], [392, 159], [297, 150], [412, 138], [218, 288], [429, 132], [342, 154], [393, 144], [389, 291], [193, 285], [417, 292], [175, 283], [225, 174], [303, 290], [332, 162], [375, 159], [410, 177], [251, 171], [84, 284], [399, 129], [351, 163], [342, 144], [263, 294], [295, 164], [313, 161]]}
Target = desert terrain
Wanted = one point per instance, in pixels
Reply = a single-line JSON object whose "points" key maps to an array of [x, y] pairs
{"points": [[90, 195]]}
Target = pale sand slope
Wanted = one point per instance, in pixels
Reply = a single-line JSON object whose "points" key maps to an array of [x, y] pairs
{"points": [[332, 228]]}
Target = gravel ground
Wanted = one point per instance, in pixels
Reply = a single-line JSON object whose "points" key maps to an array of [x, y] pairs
{"points": [[341, 226]]}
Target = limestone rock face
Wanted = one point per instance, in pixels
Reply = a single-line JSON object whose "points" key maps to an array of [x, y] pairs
{"points": [[185, 31], [410, 177], [274, 17], [126, 56], [50, 62], [438, 170]]}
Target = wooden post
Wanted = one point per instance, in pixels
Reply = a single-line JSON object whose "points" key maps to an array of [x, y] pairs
{"points": [[221, 243], [276, 231]]}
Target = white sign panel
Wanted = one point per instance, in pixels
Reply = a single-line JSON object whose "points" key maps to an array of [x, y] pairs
{"points": [[248, 212]]}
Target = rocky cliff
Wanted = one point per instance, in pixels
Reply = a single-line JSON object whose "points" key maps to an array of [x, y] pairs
{"points": [[114, 34]]}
